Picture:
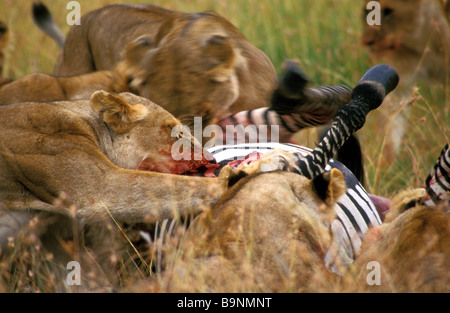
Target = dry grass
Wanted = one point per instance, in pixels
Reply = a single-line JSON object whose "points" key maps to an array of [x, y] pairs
{"points": [[318, 33]]}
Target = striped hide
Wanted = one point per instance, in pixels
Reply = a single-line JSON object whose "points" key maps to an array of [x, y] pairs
{"points": [[437, 183], [293, 108], [355, 212]]}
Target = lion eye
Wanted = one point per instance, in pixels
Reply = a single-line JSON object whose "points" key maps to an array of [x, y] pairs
{"points": [[387, 13]]}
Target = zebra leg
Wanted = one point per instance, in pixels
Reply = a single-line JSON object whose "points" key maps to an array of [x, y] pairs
{"points": [[293, 107], [292, 96], [368, 95]]}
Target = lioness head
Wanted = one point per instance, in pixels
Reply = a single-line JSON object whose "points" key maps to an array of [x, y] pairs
{"points": [[144, 136], [412, 248], [280, 219], [412, 37], [195, 67], [267, 231]]}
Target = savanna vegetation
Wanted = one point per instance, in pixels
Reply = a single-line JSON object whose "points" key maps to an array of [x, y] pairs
{"points": [[323, 35]]}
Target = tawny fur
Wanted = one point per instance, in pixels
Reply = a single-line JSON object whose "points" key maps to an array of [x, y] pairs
{"points": [[412, 249], [31, 87], [272, 228], [414, 38], [81, 149], [193, 64]]}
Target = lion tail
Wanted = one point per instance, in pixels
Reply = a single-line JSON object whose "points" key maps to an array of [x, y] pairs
{"points": [[44, 20]]}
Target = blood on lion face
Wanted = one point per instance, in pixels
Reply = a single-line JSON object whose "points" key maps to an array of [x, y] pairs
{"points": [[199, 160]]}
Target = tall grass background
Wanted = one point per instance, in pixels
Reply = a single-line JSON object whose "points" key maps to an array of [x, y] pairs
{"points": [[324, 35]]}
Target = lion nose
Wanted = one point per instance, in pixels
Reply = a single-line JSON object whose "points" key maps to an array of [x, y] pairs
{"points": [[368, 40], [368, 43], [370, 35]]}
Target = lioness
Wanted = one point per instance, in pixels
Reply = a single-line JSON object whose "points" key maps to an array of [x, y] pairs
{"points": [[94, 151], [414, 37], [410, 252], [188, 59], [44, 154], [43, 87], [272, 228]]}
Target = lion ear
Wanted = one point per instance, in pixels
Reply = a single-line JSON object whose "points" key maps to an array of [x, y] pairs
{"points": [[329, 186], [116, 112], [219, 50]]}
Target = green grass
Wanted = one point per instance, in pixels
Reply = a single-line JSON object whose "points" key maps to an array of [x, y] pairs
{"points": [[323, 35]]}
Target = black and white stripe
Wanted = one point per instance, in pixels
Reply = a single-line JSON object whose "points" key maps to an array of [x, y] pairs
{"points": [[293, 107], [437, 183], [355, 212], [316, 107]]}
